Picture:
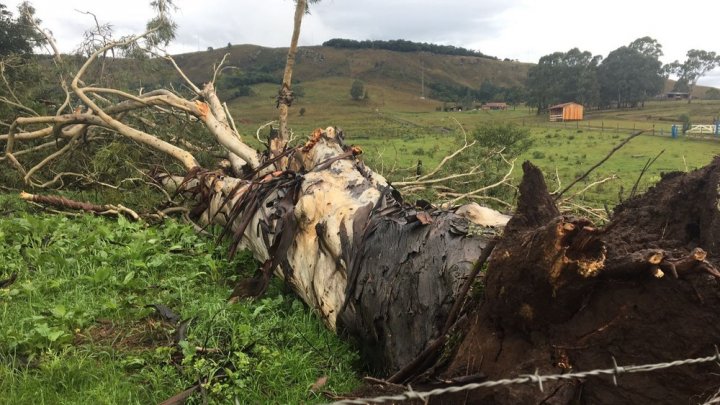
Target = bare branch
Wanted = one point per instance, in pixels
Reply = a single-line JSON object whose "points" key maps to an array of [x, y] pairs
{"points": [[17, 102], [218, 68], [28, 176], [557, 177], [589, 186], [232, 121], [590, 170], [48, 37], [189, 82], [139, 136], [482, 189], [472, 172], [478, 197], [61, 202], [452, 155], [257, 133]]}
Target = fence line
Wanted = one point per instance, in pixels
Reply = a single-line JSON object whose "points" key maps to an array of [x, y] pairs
{"points": [[539, 379]]}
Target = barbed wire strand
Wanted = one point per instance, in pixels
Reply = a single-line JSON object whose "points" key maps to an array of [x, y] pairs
{"points": [[715, 399], [537, 379]]}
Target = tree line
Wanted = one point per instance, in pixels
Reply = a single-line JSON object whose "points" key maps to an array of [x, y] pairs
{"points": [[627, 77], [402, 45], [467, 96]]}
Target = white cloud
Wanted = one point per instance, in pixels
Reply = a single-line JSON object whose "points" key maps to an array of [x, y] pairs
{"points": [[516, 29]]}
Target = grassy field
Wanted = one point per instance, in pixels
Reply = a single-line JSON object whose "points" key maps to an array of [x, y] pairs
{"points": [[75, 326], [396, 133]]}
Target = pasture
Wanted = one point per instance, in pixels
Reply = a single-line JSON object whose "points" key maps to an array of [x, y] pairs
{"points": [[396, 129], [79, 324]]}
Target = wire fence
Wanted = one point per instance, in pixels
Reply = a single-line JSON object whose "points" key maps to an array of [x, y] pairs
{"points": [[539, 380]]}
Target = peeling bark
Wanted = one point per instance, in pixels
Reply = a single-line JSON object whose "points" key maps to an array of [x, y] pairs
{"points": [[374, 268]]}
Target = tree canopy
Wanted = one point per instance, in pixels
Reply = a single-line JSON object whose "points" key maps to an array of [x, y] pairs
{"points": [[402, 45], [695, 66], [626, 77], [357, 90], [631, 74], [563, 76], [16, 36]]}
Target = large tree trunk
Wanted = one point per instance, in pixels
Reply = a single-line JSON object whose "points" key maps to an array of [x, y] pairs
{"points": [[373, 268]]}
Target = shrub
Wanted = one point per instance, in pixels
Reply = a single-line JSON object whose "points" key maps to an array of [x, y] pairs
{"points": [[511, 138], [685, 119], [357, 90]]}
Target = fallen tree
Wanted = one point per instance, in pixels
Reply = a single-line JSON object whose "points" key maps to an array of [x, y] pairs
{"points": [[405, 280]]}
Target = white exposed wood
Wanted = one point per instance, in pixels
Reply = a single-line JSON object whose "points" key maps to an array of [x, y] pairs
{"points": [[482, 216]]}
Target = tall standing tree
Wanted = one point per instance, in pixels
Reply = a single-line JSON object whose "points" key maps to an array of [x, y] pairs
{"points": [[16, 37], [561, 77], [697, 64], [631, 74]]}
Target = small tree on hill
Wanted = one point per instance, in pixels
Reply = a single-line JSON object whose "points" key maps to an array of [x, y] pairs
{"points": [[17, 35], [357, 90], [712, 94], [697, 64]]}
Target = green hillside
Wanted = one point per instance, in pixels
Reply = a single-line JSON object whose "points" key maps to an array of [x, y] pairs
{"points": [[398, 69]]}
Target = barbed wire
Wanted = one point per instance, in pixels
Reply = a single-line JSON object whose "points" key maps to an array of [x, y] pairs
{"points": [[715, 399], [537, 379]]}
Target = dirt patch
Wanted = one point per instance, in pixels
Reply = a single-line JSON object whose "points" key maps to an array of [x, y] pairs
{"points": [[136, 335]]}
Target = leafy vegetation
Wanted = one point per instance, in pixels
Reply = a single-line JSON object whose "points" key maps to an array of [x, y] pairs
{"points": [[468, 97], [631, 74], [17, 36], [697, 63], [357, 90], [401, 45], [627, 77], [77, 326], [563, 76], [238, 83]]}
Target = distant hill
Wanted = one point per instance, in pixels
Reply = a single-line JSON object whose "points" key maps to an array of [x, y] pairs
{"points": [[402, 45], [402, 70], [391, 76]]}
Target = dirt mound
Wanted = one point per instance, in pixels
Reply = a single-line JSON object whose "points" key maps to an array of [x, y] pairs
{"points": [[562, 295], [680, 212]]}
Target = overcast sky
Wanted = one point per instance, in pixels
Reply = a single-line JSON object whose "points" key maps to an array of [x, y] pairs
{"points": [[518, 29]]}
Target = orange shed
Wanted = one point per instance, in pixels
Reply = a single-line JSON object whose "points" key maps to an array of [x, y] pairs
{"points": [[566, 112]]}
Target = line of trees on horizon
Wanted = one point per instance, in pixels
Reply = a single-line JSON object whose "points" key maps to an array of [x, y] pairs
{"points": [[402, 45], [627, 77]]}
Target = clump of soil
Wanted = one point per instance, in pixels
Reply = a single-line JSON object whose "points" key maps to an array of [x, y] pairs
{"points": [[549, 308]]}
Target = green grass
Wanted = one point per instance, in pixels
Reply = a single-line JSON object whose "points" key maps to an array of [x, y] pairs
{"points": [[395, 136], [572, 152], [74, 327]]}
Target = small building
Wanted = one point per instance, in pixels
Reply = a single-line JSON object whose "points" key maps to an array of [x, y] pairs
{"points": [[566, 112], [677, 95], [494, 106]]}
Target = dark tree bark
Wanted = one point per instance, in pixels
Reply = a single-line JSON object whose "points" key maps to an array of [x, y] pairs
{"points": [[561, 294]]}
